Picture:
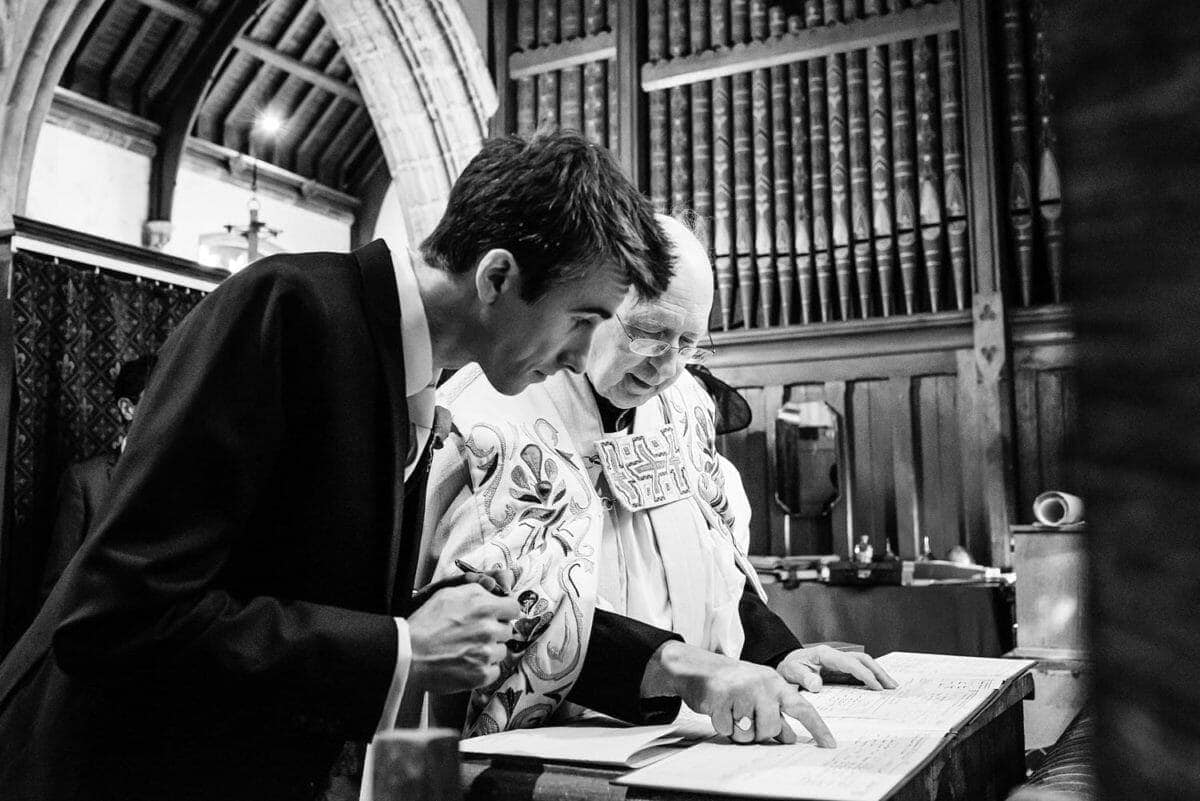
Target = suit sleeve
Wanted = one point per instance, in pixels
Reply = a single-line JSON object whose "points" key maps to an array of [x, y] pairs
{"points": [[768, 639], [153, 602], [611, 679], [70, 523]]}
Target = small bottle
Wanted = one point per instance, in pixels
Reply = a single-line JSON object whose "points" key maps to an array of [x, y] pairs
{"points": [[888, 554], [863, 552], [926, 551]]}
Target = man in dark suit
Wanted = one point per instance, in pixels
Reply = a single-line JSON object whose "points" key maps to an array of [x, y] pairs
{"points": [[84, 485], [244, 603]]}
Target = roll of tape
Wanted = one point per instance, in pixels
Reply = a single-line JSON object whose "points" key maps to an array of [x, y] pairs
{"points": [[1058, 509]]}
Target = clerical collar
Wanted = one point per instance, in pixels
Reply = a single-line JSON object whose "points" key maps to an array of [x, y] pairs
{"points": [[612, 418]]}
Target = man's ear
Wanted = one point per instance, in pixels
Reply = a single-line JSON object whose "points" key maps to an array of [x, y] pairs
{"points": [[496, 274], [126, 407]]}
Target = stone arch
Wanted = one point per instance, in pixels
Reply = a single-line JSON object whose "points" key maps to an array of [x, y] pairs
{"points": [[426, 87], [425, 83]]}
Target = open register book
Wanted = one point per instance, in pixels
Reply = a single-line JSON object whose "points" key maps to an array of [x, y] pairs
{"points": [[883, 737]]}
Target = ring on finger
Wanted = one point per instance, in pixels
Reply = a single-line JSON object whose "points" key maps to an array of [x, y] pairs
{"points": [[744, 723]]}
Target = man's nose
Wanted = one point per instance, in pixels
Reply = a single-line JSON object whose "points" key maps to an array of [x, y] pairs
{"points": [[666, 364], [573, 358]]}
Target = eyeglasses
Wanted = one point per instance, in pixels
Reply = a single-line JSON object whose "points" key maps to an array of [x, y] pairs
{"points": [[646, 346]]}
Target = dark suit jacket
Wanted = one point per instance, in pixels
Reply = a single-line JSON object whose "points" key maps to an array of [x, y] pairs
{"points": [[82, 488], [228, 623]]}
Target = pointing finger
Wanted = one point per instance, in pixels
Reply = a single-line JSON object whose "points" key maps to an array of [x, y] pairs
{"points": [[803, 711]]}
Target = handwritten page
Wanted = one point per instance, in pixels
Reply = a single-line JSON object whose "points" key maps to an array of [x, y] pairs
{"points": [[867, 764], [596, 740], [918, 704], [908, 665], [883, 736]]}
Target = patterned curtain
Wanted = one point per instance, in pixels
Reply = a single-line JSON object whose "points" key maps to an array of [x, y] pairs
{"points": [[73, 326]]}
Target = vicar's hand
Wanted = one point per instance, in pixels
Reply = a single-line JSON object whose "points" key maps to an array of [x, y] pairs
{"points": [[811, 667], [746, 702], [458, 638]]}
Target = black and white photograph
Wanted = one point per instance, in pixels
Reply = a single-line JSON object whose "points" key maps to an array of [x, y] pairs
{"points": [[599, 400]]}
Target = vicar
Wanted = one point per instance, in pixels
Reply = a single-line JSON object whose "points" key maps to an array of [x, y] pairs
{"points": [[241, 608], [606, 491]]}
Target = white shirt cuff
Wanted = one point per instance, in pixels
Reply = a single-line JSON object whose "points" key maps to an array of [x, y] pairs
{"points": [[391, 705]]}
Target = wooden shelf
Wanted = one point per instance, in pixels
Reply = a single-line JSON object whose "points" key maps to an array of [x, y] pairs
{"points": [[572, 53], [812, 43]]}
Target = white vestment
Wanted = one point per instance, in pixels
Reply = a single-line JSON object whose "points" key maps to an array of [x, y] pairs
{"points": [[652, 524]]}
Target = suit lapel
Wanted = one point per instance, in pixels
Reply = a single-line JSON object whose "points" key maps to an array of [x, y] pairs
{"points": [[382, 305]]}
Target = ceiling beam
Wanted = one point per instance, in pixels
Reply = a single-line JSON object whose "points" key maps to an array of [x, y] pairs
{"points": [[269, 55], [186, 94], [181, 12]]}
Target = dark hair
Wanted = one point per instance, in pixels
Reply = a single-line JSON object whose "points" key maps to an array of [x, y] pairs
{"points": [[560, 205], [132, 377]]}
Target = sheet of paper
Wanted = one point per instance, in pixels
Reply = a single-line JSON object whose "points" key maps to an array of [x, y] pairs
{"points": [[596, 740], [866, 766]]}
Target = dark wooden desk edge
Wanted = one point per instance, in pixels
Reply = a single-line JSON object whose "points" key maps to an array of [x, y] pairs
{"points": [[519, 778], [1011, 692]]}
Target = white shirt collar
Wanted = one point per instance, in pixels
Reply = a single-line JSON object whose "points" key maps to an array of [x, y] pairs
{"points": [[418, 347]]}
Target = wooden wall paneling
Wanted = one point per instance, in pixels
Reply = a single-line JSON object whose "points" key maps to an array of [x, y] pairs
{"points": [[872, 461], [906, 467], [840, 369], [883, 461], [974, 514], [936, 417], [747, 449], [805, 535], [1029, 468], [1052, 429], [772, 401], [840, 397]]}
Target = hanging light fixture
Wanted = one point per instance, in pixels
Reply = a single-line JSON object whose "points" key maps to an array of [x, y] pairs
{"points": [[240, 245]]}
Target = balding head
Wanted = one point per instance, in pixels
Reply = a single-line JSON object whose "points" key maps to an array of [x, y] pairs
{"points": [[678, 317]]}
